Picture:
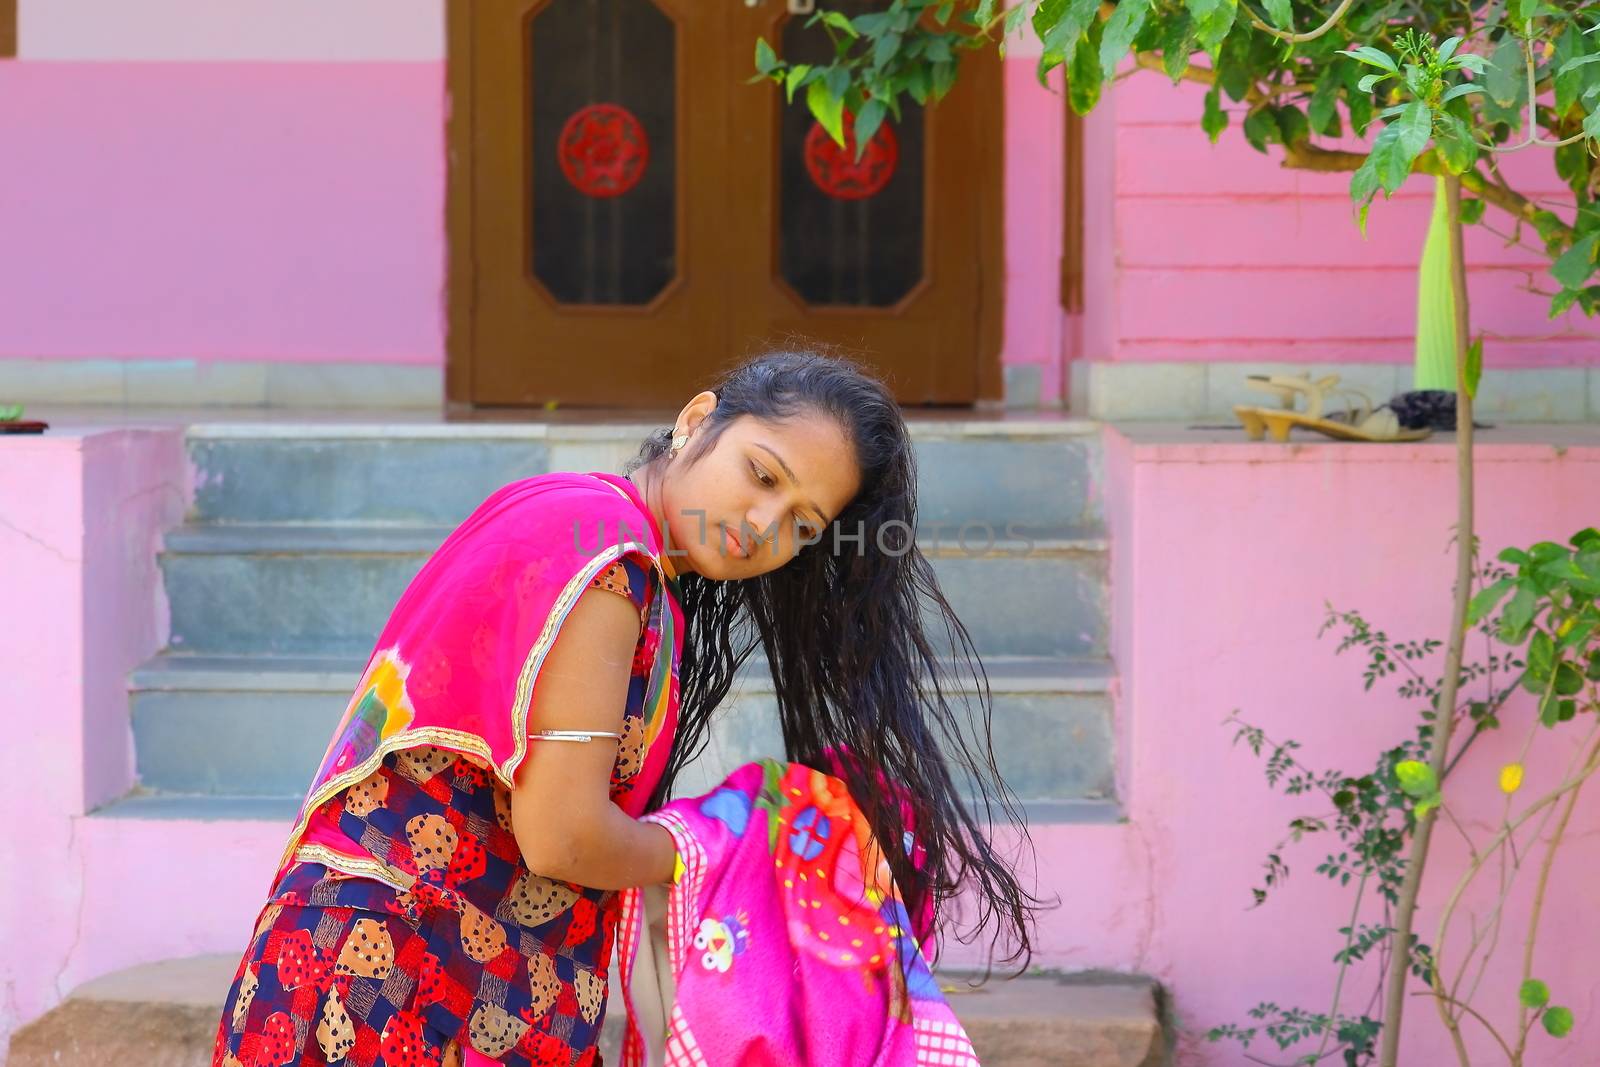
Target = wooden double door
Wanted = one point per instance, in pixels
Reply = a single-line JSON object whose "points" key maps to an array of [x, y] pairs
{"points": [[628, 215]]}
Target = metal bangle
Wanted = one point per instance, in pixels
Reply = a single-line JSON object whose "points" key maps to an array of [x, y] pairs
{"points": [[581, 736]]}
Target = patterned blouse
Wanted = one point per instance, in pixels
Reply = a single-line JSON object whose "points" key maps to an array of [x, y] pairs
{"points": [[479, 954]]}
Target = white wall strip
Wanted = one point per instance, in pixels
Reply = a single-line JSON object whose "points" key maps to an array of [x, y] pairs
{"points": [[231, 30]]}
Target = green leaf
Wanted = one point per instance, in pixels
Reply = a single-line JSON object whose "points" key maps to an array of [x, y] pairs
{"points": [[1541, 656], [1212, 20], [1568, 83], [871, 24], [792, 80], [1214, 120], [1322, 110], [1557, 1021], [1280, 13], [1456, 147], [1518, 614], [1549, 709], [1399, 144], [1474, 367], [1575, 637], [1363, 186], [867, 123], [1260, 127], [1177, 44], [1416, 778], [827, 109], [1577, 262], [766, 58], [1373, 57], [1471, 61], [1457, 91], [1569, 681], [1293, 125], [1084, 77], [1507, 80], [1360, 105], [1485, 600], [1534, 994], [1123, 26], [1014, 19], [884, 49], [1064, 24], [839, 22], [1369, 80], [1572, 64], [1447, 49], [1388, 164]]}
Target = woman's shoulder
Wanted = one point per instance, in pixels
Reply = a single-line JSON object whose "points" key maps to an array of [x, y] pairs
{"points": [[583, 515]]}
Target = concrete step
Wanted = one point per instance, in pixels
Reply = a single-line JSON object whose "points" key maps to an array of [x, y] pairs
{"points": [[996, 471], [255, 726], [310, 589], [165, 1015]]}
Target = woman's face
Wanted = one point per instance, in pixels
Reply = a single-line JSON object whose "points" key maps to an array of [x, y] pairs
{"points": [[763, 490]]}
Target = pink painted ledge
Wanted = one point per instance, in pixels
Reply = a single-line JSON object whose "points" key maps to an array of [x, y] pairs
{"points": [[1511, 443]]}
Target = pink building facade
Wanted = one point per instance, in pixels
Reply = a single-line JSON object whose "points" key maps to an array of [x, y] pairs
{"points": [[244, 207], [247, 208]]}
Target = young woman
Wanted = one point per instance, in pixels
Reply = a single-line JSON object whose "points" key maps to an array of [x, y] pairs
{"points": [[448, 893]]}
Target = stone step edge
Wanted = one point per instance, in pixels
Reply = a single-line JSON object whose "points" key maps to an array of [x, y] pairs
{"points": [[632, 432], [167, 1012], [999, 541], [184, 672], [246, 811]]}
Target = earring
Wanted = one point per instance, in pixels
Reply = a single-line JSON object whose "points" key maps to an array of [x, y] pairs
{"points": [[678, 442]]}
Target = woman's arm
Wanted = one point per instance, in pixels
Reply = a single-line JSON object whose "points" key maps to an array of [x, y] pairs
{"points": [[562, 814]]}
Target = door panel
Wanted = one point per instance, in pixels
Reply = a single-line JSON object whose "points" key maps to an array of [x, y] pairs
{"points": [[884, 256], [628, 215], [594, 120]]}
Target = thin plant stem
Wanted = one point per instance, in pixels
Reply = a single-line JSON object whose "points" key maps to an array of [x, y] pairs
{"points": [[1301, 38], [1444, 718], [1470, 1011], [1344, 965], [1523, 1023]]}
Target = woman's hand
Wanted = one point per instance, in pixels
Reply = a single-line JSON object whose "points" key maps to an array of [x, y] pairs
{"points": [[562, 815]]}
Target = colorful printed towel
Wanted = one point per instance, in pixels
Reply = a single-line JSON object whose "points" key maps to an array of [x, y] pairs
{"points": [[784, 942]]}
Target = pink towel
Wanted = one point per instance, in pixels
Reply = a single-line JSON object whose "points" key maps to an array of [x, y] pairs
{"points": [[785, 942]]}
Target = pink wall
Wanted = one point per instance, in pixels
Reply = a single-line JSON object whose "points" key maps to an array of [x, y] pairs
{"points": [[1222, 558], [235, 211], [1220, 254], [80, 521], [1033, 323], [203, 30]]}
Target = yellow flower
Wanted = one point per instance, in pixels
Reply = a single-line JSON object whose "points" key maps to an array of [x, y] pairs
{"points": [[1511, 778]]}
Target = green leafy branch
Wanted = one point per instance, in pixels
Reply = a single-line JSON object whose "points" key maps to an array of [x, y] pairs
{"points": [[1505, 77]]}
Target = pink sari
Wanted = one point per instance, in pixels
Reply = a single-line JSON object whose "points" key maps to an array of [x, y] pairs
{"points": [[456, 664], [784, 944]]}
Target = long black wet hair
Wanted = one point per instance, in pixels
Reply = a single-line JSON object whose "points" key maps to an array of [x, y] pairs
{"points": [[846, 639]]}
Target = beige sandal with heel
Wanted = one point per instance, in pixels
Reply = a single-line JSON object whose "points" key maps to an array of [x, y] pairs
{"points": [[1360, 423]]}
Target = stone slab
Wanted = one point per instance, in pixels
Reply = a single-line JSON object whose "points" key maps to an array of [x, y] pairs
{"points": [[165, 1014]]}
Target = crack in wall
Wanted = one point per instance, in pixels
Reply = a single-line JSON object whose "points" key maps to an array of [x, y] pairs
{"points": [[47, 546]]}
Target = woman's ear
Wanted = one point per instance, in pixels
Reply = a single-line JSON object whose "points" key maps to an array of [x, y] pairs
{"points": [[697, 409]]}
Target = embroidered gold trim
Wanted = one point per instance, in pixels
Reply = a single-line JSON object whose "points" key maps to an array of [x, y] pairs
{"points": [[441, 736], [354, 865]]}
